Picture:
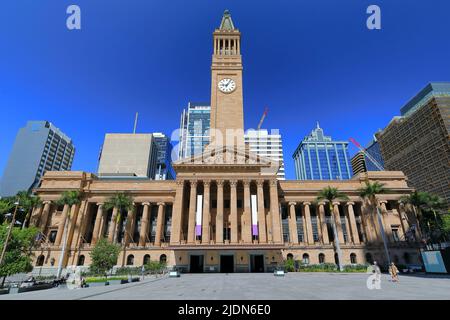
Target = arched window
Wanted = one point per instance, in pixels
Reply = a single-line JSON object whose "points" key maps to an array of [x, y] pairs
{"points": [[163, 258], [369, 258], [321, 258], [146, 259], [305, 258], [353, 258], [80, 260], [290, 256], [40, 261], [130, 260], [406, 257]]}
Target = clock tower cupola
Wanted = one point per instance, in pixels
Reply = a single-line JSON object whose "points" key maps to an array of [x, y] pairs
{"points": [[227, 114]]}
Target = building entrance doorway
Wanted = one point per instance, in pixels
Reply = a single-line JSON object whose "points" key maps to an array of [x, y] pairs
{"points": [[196, 264], [226, 264], [257, 263]]}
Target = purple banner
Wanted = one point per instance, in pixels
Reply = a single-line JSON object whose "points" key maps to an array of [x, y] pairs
{"points": [[198, 230], [255, 229]]}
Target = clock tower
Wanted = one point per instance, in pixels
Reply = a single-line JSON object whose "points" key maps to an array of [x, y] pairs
{"points": [[227, 114]]}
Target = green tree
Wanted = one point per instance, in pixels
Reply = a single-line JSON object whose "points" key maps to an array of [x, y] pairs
{"points": [[370, 193], [6, 205], [416, 200], [69, 198], [428, 208], [27, 202], [330, 195], [17, 257], [104, 256], [120, 202]]}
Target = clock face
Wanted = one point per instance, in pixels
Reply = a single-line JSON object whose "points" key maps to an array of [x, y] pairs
{"points": [[227, 85]]}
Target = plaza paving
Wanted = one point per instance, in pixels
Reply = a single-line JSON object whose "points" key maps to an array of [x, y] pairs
{"points": [[255, 286]]}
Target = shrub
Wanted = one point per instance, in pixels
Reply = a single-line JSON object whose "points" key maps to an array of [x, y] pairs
{"points": [[289, 265], [323, 267], [355, 268]]}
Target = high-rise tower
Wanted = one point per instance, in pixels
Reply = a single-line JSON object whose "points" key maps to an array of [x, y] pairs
{"points": [[227, 114]]}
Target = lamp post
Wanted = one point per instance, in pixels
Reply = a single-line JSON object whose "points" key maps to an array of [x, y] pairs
{"points": [[8, 235]]}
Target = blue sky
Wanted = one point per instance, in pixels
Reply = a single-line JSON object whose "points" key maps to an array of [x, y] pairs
{"points": [[307, 61]]}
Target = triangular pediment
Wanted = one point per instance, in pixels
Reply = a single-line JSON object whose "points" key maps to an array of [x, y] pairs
{"points": [[230, 157]]}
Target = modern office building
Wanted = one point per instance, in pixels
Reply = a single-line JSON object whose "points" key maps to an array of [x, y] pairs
{"points": [[358, 162], [418, 141], [226, 211], [194, 129], [128, 155], [164, 169], [319, 157], [39, 147], [269, 145]]}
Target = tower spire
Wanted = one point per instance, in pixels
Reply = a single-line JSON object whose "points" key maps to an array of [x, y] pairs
{"points": [[227, 22]]}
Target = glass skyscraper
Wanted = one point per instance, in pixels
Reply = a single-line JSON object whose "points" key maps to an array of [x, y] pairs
{"points": [[318, 157], [194, 129], [164, 170], [375, 152]]}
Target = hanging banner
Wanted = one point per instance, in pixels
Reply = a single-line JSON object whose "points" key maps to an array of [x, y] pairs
{"points": [[254, 215], [198, 216]]}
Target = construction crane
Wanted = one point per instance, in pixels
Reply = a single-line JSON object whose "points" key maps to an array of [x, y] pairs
{"points": [[262, 118], [367, 154]]}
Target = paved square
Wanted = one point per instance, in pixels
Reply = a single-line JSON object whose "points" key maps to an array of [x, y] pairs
{"points": [[242, 286]]}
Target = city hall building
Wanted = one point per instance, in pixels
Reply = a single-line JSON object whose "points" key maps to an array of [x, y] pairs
{"points": [[226, 211]]}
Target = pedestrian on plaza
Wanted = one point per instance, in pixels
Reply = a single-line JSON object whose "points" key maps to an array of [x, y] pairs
{"points": [[393, 271]]}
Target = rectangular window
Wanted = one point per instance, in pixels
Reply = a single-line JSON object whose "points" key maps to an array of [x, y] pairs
{"points": [[395, 234]]}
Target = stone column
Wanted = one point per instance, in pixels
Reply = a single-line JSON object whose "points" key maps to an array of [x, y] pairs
{"points": [[403, 218], [353, 225], [36, 216], [366, 217], [129, 226], [74, 212], [219, 212], [274, 208], [144, 224], [61, 224], [233, 212], [293, 236], [97, 225], [337, 220], [44, 218], [261, 212], [192, 207], [247, 221], [112, 226], [206, 212], [386, 226], [160, 223], [308, 222], [323, 223], [177, 219]]}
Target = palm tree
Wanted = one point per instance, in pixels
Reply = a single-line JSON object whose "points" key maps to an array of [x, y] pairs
{"points": [[68, 199], [417, 200], [28, 203], [434, 203], [370, 192], [120, 202], [6, 204], [331, 194], [424, 204]]}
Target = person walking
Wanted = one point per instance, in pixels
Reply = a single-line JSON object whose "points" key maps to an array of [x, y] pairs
{"points": [[393, 271]]}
